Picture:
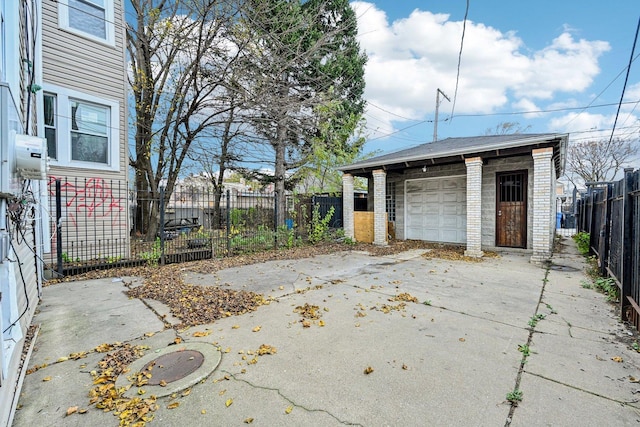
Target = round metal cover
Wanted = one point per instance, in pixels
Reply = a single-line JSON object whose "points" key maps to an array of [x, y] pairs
{"points": [[173, 366]]}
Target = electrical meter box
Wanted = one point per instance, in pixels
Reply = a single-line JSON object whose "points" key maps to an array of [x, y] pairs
{"points": [[31, 157]]}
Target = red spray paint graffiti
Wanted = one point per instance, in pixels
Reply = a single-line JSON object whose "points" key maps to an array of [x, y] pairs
{"points": [[91, 198]]}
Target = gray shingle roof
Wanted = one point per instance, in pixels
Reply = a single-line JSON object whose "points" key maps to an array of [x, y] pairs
{"points": [[458, 146]]}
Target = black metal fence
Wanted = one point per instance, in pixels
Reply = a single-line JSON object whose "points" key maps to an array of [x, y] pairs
{"points": [[610, 212], [99, 224]]}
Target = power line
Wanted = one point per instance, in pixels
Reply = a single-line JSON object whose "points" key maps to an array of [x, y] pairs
{"points": [[464, 27], [626, 79]]}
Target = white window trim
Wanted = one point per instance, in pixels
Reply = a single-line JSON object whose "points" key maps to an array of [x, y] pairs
{"points": [[63, 22], [63, 96]]}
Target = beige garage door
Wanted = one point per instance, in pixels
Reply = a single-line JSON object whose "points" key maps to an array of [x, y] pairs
{"points": [[436, 209]]}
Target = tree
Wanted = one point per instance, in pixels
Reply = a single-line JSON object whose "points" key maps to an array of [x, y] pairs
{"points": [[179, 57], [599, 160], [304, 56], [507, 128]]}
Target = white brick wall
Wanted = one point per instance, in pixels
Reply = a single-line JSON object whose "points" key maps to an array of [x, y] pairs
{"points": [[474, 207], [379, 207], [347, 206], [542, 206]]}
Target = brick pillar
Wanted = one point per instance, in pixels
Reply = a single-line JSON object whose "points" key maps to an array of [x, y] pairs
{"points": [[542, 206], [379, 207], [347, 206], [474, 207]]}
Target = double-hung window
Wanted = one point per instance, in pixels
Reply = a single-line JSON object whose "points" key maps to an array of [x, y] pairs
{"points": [[81, 130], [90, 18]]}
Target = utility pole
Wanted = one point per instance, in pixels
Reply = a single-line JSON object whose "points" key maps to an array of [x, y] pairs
{"points": [[435, 122]]}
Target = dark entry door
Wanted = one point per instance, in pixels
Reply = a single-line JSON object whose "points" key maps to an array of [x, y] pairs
{"points": [[511, 209]]}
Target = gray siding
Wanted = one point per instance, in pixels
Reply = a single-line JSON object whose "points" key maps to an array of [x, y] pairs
{"points": [[82, 64]]}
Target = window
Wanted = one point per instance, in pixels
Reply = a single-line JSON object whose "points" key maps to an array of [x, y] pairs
{"points": [[50, 132], [90, 18], [391, 201], [89, 132], [81, 130]]}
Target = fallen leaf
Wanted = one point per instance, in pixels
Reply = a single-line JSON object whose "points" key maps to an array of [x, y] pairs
{"points": [[306, 324], [288, 410], [149, 334], [248, 420], [228, 402], [178, 340], [222, 392], [201, 333], [63, 359], [256, 329], [187, 392], [634, 380], [357, 325], [368, 370], [72, 410], [281, 288], [617, 359], [141, 391], [405, 367], [173, 405], [235, 327], [599, 358], [46, 379], [204, 411], [321, 323], [461, 339], [163, 383], [82, 411]]}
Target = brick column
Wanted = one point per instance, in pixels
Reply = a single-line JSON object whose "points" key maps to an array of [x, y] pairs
{"points": [[542, 206], [474, 207], [347, 206], [379, 207]]}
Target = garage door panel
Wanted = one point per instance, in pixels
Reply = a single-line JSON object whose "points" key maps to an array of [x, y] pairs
{"points": [[436, 209]]}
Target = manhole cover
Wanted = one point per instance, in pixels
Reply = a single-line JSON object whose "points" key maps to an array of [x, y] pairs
{"points": [[558, 267], [173, 366]]}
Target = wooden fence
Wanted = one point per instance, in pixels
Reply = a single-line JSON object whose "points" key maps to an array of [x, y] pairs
{"points": [[610, 212]]}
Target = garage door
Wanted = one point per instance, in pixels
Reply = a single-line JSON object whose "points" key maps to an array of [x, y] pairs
{"points": [[437, 209]]}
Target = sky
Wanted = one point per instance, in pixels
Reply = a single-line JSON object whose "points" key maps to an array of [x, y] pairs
{"points": [[550, 66]]}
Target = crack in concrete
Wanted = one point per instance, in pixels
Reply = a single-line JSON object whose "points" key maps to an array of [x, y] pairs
{"points": [[292, 402], [525, 355], [163, 319], [621, 402]]}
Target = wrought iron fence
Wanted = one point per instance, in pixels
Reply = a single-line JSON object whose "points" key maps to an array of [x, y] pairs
{"points": [[99, 224], [610, 212]]}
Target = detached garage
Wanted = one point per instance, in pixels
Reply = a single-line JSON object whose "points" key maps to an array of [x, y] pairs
{"points": [[486, 192]]}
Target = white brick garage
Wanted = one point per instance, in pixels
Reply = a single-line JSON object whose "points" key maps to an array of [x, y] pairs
{"points": [[436, 209], [428, 191]]}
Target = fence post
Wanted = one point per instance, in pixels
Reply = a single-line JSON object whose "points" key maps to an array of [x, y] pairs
{"points": [[605, 231], [59, 227], [162, 236], [275, 220], [228, 223], [627, 240]]}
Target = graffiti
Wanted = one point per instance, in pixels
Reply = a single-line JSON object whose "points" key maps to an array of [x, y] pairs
{"points": [[90, 198]]}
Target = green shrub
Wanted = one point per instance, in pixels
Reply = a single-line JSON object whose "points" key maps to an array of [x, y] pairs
{"points": [[318, 228], [582, 240]]}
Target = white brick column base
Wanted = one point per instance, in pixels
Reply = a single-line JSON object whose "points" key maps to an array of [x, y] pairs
{"points": [[347, 206], [542, 238], [379, 207], [474, 207]]}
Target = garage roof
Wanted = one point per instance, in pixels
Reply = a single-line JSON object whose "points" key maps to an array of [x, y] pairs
{"points": [[454, 150]]}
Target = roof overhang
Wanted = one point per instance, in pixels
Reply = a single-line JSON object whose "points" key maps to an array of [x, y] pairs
{"points": [[510, 148]]}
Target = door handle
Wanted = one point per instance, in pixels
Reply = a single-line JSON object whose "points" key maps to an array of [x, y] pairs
{"points": [[499, 213]]}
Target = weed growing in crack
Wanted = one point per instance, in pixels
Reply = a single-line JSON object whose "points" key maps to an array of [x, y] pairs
{"points": [[427, 302], [551, 309], [635, 346], [524, 349], [514, 397], [535, 319], [586, 284]]}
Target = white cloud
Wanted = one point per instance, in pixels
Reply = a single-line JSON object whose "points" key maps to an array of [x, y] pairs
{"points": [[409, 59]]}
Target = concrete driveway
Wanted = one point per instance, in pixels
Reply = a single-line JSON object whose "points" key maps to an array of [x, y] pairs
{"points": [[371, 357]]}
